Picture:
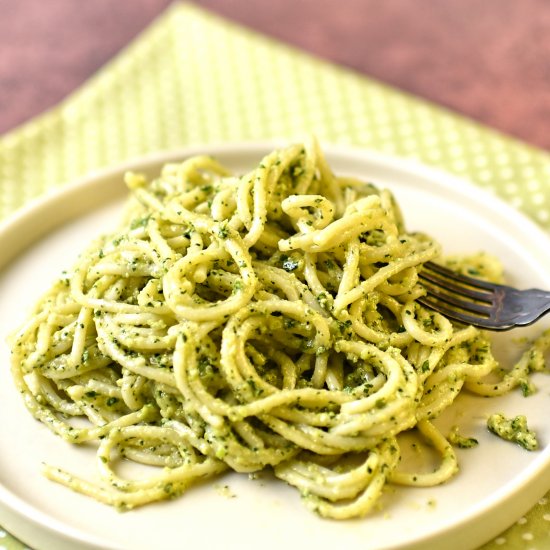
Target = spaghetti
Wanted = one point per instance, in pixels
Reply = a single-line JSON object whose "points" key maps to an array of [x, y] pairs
{"points": [[266, 320]]}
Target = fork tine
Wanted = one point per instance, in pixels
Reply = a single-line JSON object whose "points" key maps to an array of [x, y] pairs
{"points": [[480, 303], [484, 295], [458, 277], [456, 300], [462, 317], [458, 297]]}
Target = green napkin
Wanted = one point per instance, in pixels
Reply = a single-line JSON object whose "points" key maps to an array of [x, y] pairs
{"points": [[193, 78]]}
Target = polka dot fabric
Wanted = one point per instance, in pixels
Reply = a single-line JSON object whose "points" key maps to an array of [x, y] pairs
{"points": [[193, 78]]}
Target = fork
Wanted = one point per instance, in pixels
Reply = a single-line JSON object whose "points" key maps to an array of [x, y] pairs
{"points": [[475, 302]]}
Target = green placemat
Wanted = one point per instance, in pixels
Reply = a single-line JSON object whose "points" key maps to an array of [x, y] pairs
{"points": [[194, 78]]}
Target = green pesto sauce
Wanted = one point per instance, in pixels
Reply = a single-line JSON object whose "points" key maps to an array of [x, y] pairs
{"points": [[513, 429], [458, 440]]}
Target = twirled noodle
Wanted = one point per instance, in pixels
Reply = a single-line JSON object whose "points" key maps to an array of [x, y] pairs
{"points": [[269, 319]]}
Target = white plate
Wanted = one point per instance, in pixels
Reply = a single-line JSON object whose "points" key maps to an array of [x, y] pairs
{"points": [[498, 481]]}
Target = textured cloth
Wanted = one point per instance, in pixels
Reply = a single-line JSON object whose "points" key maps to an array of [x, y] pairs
{"points": [[193, 78]]}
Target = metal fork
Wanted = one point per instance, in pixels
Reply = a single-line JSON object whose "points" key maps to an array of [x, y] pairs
{"points": [[482, 304]]}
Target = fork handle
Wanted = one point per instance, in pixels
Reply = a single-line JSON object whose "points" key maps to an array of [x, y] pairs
{"points": [[527, 306]]}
